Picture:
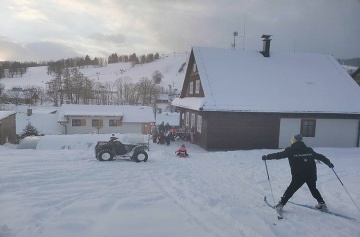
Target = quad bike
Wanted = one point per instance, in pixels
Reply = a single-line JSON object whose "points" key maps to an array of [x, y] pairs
{"points": [[108, 150]]}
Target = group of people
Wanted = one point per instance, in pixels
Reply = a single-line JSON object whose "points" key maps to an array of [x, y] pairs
{"points": [[162, 134], [165, 133]]}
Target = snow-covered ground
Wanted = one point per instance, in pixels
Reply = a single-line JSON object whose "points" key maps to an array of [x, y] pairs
{"points": [[60, 192]]}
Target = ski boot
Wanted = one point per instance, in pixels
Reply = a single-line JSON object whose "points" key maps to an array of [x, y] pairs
{"points": [[321, 206], [279, 207]]}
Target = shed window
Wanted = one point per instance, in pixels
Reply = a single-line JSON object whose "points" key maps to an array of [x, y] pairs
{"points": [[115, 122], [78, 122], [308, 127], [97, 123]]}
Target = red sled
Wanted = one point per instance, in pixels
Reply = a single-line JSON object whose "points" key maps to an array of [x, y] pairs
{"points": [[182, 155]]}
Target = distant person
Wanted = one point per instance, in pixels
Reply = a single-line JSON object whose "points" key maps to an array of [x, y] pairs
{"points": [[303, 170], [154, 133], [167, 137], [167, 127], [192, 134], [161, 127]]}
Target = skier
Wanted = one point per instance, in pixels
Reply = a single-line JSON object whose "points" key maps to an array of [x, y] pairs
{"points": [[182, 152], [303, 170]]}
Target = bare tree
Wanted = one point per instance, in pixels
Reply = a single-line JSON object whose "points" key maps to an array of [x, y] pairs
{"points": [[2, 89], [157, 76], [15, 94], [146, 90]]}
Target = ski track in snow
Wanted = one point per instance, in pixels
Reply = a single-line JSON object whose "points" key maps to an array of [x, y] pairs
{"points": [[70, 193]]}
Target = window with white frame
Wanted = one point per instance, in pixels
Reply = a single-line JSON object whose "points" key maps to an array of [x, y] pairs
{"points": [[187, 119], [192, 120], [197, 87], [195, 69], [191, 88], [308, 127], [199, 124]]}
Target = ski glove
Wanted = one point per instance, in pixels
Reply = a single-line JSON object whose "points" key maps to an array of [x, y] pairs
{"points": [[263, 157], [331, 165]]}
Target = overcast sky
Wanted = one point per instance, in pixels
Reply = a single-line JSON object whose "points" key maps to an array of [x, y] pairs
{"points": [[54, 29]]}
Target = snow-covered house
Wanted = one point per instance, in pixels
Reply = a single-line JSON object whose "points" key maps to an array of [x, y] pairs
{"points": [[356, 76], [82, 119], [238, 99], [7, 127]]}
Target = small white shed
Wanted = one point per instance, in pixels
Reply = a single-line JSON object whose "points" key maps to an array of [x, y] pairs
{"points": [[105, 119]]}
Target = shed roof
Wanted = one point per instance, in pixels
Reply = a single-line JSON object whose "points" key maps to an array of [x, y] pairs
{"points": [[5, 114], [129, 113], [240, 80]]}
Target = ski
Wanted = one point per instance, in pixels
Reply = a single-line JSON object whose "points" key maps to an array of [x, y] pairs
{"points": [[327, 212], [279, 213]]}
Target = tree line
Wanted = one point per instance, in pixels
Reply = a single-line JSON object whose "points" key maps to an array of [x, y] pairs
{"points": [[12, 69], [114, 58], [350, 62], [15, 69], [69, 85]]}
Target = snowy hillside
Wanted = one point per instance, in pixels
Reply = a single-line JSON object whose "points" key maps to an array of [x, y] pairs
{"points": [[51, 192], [168, 66]]}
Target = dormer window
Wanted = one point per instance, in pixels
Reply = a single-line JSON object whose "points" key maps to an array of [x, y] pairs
{"points": [[191, 88], [197, 87], [195, 69]]}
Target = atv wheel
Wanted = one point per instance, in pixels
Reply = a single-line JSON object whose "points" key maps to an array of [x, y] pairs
{"points": [[140, 156], [105, 155]]}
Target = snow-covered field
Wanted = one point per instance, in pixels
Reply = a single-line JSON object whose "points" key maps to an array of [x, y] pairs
{"points": [[69, 193], [168, 66]]}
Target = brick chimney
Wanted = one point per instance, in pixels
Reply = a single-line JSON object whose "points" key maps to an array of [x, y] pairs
{"points": [[266, 45]]}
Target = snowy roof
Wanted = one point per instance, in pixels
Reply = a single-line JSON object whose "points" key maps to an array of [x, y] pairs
{"points": [[239, 80], [5, 114], [130, 113], [163, 97]]}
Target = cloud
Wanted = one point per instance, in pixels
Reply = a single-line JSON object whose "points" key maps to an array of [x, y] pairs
{"points": [[117, 39], [11, 51], [101, 27], [37, 51]]}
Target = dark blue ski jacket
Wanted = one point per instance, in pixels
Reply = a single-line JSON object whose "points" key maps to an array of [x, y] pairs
{"points": [[301, 160]]}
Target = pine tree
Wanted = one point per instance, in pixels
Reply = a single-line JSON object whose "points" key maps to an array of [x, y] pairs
{"points": [[29, 130]]}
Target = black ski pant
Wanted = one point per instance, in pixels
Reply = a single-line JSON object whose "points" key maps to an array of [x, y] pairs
{"points": [[296, 183]]}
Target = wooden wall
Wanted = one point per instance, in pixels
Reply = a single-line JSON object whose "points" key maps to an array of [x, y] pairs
{"points": [[232, 131]]}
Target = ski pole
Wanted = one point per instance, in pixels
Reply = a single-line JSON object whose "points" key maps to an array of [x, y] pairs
{"points": [[267, 172], [346, 189]]}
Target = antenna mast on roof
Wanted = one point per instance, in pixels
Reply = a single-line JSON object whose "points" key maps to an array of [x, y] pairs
{"points": [[234, 34], [244, 34]]}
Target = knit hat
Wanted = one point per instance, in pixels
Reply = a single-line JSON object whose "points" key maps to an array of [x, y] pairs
{"points": [[296, 138]]}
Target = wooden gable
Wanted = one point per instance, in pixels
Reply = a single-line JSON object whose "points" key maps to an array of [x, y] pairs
{"points": [[192, 86]]}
